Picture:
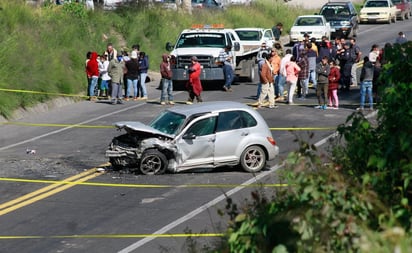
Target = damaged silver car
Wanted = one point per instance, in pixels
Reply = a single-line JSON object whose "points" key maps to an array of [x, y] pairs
{"points": [[204, 135]]}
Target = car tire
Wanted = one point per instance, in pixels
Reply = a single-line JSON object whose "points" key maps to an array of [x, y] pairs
{"points": [[153, 162], [253, 159], [394, 19]]}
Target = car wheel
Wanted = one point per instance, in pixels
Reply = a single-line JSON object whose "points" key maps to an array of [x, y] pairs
{"points": [[253, 159], [394, 19], [407, 15], [153, 162]]}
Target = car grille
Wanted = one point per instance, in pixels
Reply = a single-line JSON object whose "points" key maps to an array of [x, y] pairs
{"points": [[185, 61], [373, 13]]}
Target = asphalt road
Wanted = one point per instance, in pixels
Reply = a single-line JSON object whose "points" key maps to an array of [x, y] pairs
{"points": [[123, 212]]}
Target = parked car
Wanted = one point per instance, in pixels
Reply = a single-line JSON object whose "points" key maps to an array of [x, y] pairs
{"points": [[378, 11], [254, 36], [405, 8], [343, 18], [205, 135], [314, 25], [201, 4]]}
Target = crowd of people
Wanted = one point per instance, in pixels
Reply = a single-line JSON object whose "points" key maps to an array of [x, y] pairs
{"points": [[330, 66], [111, 72]]}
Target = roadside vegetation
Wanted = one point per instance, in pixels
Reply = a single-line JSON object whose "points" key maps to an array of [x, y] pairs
{"points": [[44, 49], [356, 197]]}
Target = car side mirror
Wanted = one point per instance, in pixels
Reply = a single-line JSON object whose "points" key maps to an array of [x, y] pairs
{"points": [[169, 46], [237, 46], [189, 136]]}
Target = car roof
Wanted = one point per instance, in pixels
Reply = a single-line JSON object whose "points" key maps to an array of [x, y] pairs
{"points": [[206, 107], [250, 28]]}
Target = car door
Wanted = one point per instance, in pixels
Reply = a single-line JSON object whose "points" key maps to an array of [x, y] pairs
{"points": [[230, 135], [268, 37], [196, 143]]}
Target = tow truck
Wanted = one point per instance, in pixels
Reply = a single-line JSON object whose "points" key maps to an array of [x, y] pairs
{"points": [[206, 42]]}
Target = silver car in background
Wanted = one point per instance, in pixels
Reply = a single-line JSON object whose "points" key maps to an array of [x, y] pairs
{"points": [[204, 135]]}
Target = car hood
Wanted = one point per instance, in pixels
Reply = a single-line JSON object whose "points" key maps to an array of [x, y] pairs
{"points": [[197, 51], [137, 126]]}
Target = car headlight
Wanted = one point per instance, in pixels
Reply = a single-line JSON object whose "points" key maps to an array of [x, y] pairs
{"points": [[294, 33]]}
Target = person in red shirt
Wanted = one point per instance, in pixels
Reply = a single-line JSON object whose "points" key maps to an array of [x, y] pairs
{"points": [[333, 78], [194, 86], [92, 71]]}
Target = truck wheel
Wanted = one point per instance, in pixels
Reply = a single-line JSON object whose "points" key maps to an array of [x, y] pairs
{"points": [[252, 72], [153, 162]]}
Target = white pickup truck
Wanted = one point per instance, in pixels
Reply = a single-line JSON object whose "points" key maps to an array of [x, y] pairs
{"points": [[206, 42]]}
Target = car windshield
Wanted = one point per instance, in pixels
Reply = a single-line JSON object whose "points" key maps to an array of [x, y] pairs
{"points": [[376, 4], [201, 40], [249, 35], [337, 10], [168, 122], [396, 1], [309, 21]]}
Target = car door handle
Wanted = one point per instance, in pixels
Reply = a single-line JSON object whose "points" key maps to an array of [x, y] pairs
{"points": [[245, 134]]}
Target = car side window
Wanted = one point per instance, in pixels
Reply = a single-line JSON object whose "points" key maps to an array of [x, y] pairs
{"points": [[234, 120], [229, 121], [203, 127], [247, 119]]}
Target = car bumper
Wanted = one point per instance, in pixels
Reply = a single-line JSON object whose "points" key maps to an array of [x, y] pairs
{"points": [[206, 74], [342, 31], [373, 18]]}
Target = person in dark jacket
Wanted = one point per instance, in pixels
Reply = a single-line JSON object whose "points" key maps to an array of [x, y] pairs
{"points": [[143, 68], [322, 70], [366, 79], [132, 76], [167, 83]]}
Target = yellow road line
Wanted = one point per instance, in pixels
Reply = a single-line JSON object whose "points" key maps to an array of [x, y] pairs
{"points": [[113, 236], [136, 185], [45, 192]]}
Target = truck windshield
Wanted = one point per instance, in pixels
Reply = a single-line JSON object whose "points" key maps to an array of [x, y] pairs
{"points": [[201, 40]]}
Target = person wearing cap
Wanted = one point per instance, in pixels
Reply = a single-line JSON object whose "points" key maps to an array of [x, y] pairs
{"points": [[132, 76], [226, 59], [104, 75], [193, 85]]}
